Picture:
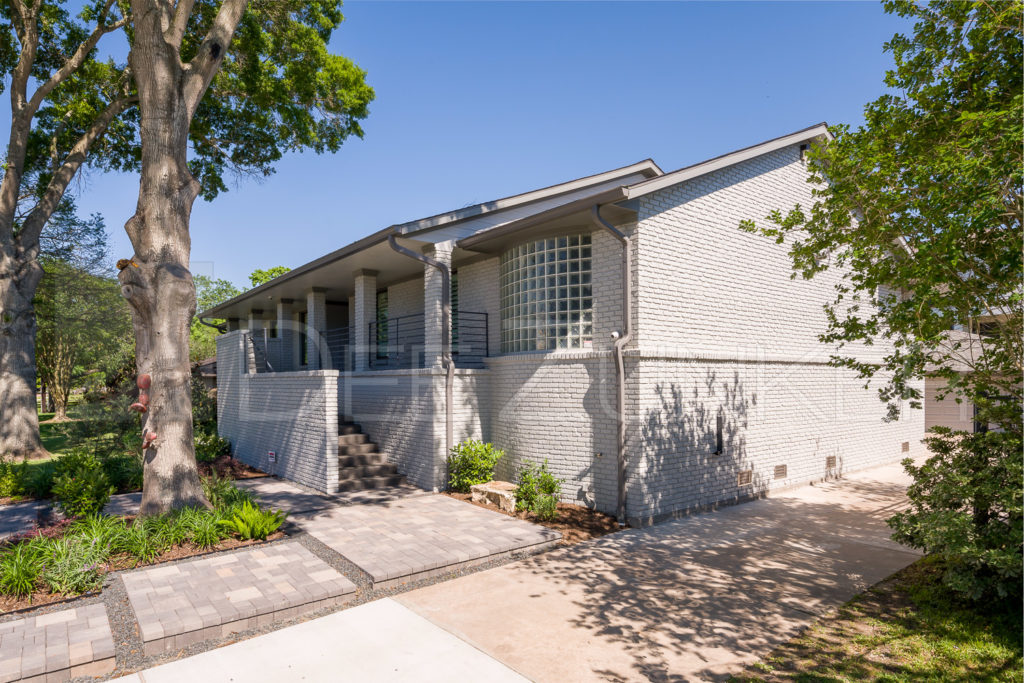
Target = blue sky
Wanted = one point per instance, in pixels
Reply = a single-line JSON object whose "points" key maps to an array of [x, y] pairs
{"points": [[478, 100]]}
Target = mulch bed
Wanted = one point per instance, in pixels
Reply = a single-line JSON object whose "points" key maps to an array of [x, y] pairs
{"points": [[10, 603], [226, 466], [575, 522]]}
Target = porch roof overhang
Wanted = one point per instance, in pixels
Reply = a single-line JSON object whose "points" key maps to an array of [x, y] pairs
{"points": [[333, 273]]}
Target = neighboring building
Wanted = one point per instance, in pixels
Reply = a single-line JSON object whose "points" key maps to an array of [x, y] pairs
{"points": [[726, 391]]}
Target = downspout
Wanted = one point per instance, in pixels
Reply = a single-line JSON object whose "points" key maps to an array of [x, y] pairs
{"points": [[621, 337], [222, 328], [446, 340]]}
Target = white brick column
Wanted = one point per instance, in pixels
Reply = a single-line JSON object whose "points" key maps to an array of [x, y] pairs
{"points": [[316, 323], [365, 313], [256, 322], [349, 358], [284, 334], [433, 314]]}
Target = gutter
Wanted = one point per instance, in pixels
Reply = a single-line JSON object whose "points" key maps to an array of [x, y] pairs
{"points": [[621, 337], [222, 328], [446, 338]]}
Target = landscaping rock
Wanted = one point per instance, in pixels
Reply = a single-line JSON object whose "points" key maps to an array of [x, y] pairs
{"points": [[501, 494]]}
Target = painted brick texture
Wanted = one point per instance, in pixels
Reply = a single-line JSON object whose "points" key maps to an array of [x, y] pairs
{"points": [[293, 414]]}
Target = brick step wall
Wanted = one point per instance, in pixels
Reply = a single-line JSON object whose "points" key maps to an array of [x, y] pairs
{"points": [[361, 466]]}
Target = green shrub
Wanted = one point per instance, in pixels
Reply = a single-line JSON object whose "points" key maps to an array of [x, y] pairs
{"points": [[144, 539], [223, 494], [98, 529], [81, 486], [966, 507], [203, 526], [10, 479], [124, 472], [249, 522], [19, 570], [209, 446], [71, 566], [538, 491], [37, 480], [472, 462]]}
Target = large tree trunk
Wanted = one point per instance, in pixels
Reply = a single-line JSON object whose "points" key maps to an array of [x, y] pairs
{"points": [[156, 281], [19, 421]]}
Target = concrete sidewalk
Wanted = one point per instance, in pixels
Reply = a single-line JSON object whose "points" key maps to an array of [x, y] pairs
{"points": [[692, 599], [378, 641]]}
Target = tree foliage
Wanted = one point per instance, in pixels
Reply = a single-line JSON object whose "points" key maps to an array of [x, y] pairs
{"points": [[209, 293], [260, 276], [920, 209], [83, 322]]}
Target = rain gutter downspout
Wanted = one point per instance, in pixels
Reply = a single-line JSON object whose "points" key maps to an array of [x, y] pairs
{"points": [[222, 328], [621, 337], [446, 340]]}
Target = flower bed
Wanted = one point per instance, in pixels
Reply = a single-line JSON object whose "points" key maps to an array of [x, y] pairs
{"points": [[575, 522], [72, 557]]}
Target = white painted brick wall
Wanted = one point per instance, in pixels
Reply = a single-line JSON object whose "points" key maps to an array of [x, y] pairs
{"points": [[294, 414]]}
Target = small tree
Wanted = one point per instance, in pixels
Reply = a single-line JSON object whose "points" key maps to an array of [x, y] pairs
{"points": [[920, 211]]}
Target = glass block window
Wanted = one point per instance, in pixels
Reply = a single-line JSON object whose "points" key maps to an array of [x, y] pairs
{"points": [[546, 297]]}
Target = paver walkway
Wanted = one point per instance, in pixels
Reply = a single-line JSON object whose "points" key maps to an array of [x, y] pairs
{"points": [[182, 604], [411, 538], [693, 599], [380, 641], [57, 645]]}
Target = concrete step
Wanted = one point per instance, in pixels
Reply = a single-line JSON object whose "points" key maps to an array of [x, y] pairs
{"points": [[356, 448], [360, 460], [370, 483], [351, 439], [349, 428], [365, 471]]}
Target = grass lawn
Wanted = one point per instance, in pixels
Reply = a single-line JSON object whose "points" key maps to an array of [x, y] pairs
{"points": [[906, 628]]}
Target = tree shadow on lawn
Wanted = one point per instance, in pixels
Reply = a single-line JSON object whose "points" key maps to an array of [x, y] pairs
{"points": [[692, 598]]}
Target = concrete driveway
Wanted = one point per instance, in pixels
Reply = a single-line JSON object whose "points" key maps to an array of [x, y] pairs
{"points": [[692, 599]]}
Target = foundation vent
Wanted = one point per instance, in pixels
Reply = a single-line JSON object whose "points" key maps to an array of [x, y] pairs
{"points": [[780, 471], [745, 478], [830, 462], [905, 447]]}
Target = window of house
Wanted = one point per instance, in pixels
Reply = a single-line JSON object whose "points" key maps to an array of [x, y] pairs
{"points": [[546, 296], [382, 324]]}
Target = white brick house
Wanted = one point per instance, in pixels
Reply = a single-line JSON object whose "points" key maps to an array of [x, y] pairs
{"points": [[726, 392]]}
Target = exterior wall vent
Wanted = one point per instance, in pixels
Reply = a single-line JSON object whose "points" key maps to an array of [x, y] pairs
{"points": [[905, 447], [745, 478], [830, 462], [780, 471]]}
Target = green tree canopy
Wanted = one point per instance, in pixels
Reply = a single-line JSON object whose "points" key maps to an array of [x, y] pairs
{"points": [[260, 276], [920, 210], [209, 293]]}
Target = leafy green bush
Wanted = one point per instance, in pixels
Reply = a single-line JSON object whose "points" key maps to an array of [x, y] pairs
{"points": [[144, 539], [209, 446], [37, 480], [203, 526], [10, 479], [538, 491], [472, 462], [100, 530], [223, 494], [249, 522], [966, 506], [81, 486], [19, 570], [71, 566], [124, 472]]}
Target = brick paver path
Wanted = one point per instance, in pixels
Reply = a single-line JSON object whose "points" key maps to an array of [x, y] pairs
{"points": [[14, 519], [182, 604], [417, 536], [57, 646]]}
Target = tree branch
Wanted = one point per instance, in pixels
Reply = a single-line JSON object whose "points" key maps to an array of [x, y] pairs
{"points": [[78, 58], [200, 71], [181, 16], [42, 211]]}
